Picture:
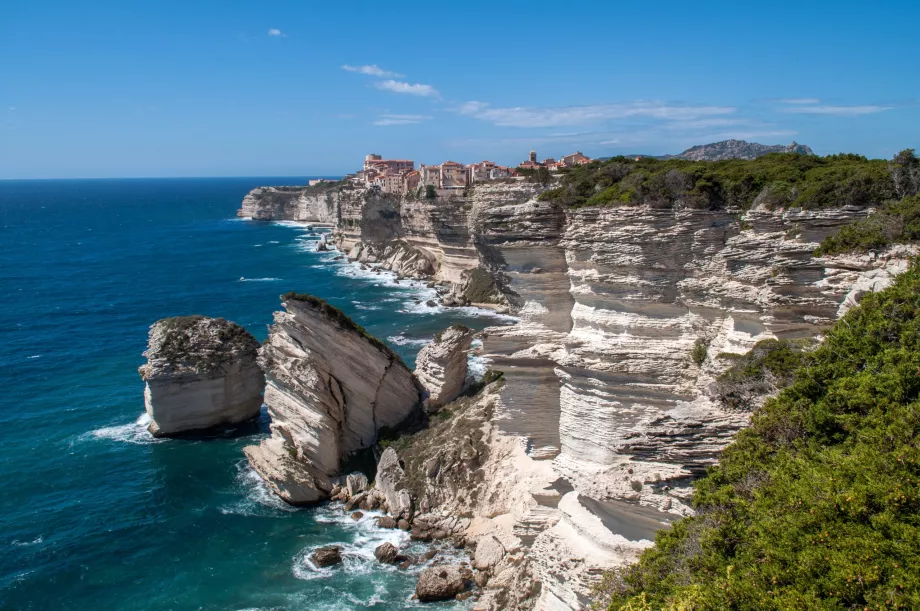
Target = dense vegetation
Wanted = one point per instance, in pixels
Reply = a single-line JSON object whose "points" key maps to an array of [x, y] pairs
{"points": [[768, 367], [776, 180], [817, 505], [896, 222]]}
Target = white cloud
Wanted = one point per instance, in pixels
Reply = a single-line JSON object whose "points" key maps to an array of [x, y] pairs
{"points": [[840, 111], [407, 88], [800, 101], [395, 119], [372, 70], [581, 115], [275, 32]]}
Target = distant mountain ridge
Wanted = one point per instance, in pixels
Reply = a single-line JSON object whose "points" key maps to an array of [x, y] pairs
{"points": [[739, 149]]}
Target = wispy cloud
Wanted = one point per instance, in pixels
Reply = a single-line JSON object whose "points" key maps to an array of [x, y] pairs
{"points": [[395, 119], [275, 32], [372, 70], [407, 88], [800, 101], [582, 115], [840, 111]]}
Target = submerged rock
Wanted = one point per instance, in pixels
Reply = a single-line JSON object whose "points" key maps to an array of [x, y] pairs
{"points": [[330, 388], [439, 583], [441, 366], [200, 373]]}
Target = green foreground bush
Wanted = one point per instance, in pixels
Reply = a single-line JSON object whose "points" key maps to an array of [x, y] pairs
{"points": [[817, 505]]}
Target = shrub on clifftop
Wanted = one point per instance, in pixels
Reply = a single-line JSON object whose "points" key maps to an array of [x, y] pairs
{"points": [[817, 505]]}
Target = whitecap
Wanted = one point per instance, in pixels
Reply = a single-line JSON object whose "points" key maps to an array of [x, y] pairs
{"points": [[274, 242], [364, 306], [257, 499], [28, 543], [136, 432], [35, 356], [293, 224], [243, 279], [402, 340]]}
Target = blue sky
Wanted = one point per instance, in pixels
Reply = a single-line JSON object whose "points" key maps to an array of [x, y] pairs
{"points": [[207, 88]]}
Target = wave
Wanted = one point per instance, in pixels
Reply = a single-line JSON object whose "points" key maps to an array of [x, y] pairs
{"points": [[257, 499], [35, 356], [242, 279], [28, 543], [402, 340], [135, 433]]}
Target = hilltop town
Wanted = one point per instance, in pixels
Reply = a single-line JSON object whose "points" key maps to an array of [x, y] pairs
{"points": [[400, 176]]}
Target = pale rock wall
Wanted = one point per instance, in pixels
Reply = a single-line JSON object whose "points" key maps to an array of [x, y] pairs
{"points": [[290, 204], [200, 373], [329, 391]]}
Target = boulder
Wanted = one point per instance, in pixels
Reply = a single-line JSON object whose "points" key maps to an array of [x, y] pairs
{"points": [[386, 553], [441, 366], [327, 556], [386, 522], [489, 552], [390, 481], [355, 482], [357, 515], [200, 373], [439, 583]]}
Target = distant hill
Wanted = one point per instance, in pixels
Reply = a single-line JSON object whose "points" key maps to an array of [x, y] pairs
{"points": [[739, 149]]}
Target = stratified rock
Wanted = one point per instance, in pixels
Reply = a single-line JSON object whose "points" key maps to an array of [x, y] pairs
{"points": [[355, 482], [201, 372], [441, 365], [330, 388], [327, 556], [390, 481], [295, 481], [439, 583], [386, 553]]}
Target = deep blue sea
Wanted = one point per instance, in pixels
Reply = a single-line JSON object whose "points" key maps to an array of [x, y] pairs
{"points": [[94, 513]]}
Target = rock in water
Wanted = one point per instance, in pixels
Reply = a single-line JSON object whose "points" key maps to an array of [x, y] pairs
{"points": [[441, 365], [327, 556], [386, 553], [391, 481], [439, 583], [330, 388], [201, 372]]}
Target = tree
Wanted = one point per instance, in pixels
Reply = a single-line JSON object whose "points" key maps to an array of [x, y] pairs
{"points": [[905, 172], [430, 192]]}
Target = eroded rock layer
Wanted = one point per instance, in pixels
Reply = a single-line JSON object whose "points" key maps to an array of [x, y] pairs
{"points": [[330, 389]]}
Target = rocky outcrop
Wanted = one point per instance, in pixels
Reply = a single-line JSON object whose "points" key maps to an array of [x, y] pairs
{"points": [[307, 204], [327, 556], [441, 582], [739, 149], [390, 480], [200, 373], [441, 365], [330, 389]]}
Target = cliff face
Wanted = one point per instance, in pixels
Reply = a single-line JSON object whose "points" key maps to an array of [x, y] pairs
{"points": [[627, 314], [308, 204], [329, 390], [200, 373]]}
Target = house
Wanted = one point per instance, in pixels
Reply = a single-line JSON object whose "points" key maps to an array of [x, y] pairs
{"points": [[574, 159], [395, 166], [453, 175], [411, 181], [430, 175]]}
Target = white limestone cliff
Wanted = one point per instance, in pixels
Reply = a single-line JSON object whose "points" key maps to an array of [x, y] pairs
{"points": [[200, 373], [441, 365], [330, 389]]}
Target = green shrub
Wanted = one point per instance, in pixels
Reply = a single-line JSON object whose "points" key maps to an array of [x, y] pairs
{"points": [[768, 367], [895, 223], [430, 192], [817, 505], [699, 351]]}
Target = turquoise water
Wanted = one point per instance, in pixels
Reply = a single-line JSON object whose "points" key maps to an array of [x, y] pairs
{"points": [[95, 514]]}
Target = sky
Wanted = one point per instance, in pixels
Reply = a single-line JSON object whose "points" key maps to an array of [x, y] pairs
{"points": [[297, 88]]}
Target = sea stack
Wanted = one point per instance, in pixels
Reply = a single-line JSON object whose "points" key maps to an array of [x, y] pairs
{"points": [[441, 366], [200, 373], [330, 388]]}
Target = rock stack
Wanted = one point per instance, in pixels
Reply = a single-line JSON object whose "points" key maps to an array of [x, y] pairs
{"points": [[200, 373], [441, 366], [330, 388]]}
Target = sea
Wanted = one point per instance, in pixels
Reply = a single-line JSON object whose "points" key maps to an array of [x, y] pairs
{"points": [[94, 512]]}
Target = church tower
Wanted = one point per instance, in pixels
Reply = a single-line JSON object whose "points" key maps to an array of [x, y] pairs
{"points": [[533, 155]]}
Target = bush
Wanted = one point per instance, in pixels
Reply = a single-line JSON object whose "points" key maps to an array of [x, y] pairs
{"points": [[894, 223], [699, 351], [768, 367], [817, 505], [430, 192]]}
